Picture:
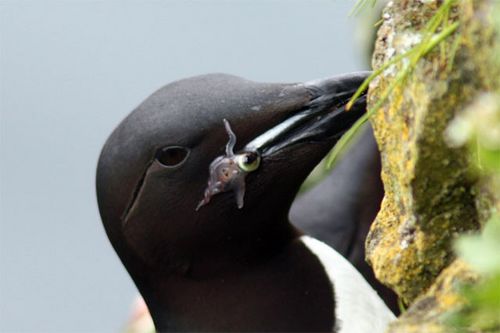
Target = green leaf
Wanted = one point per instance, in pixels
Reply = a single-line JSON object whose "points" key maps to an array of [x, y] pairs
{"points": [[482, 310], [482, 252], [489, 159]]}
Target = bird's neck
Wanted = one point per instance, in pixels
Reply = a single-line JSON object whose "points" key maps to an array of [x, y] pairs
{"points": [[229, 259], [228, 252]]}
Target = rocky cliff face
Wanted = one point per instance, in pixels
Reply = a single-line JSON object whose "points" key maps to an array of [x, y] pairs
{"points": [[433, 193]]}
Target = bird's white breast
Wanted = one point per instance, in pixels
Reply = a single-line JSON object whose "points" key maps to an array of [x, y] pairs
{"points": [[358, 308]]}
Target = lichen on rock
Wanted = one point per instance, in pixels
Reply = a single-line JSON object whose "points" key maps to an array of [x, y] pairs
{"points": [[432, 194], [425, 314]]}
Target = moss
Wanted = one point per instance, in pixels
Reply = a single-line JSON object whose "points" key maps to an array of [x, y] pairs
{"points": [[431, 189], [426, 313]]}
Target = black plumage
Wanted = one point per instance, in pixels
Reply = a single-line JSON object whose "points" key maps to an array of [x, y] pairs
{"points": [[225, 266]]}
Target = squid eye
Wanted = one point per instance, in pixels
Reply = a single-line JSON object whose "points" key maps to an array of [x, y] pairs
{"points": [[172, 156], [248, 162]]}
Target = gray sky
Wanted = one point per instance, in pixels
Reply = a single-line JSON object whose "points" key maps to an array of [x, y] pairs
{"points": [[69, 72]]}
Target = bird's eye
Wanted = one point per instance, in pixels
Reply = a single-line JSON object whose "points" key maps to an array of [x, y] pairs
{"points": [[248, 161], [172, 156]]}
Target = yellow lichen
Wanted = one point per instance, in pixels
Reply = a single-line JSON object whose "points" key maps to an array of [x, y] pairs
{"points": [[431, 194], [426, 313]]}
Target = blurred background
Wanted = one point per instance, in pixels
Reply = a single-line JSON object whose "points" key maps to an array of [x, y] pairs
{"points": [[69, 72]]}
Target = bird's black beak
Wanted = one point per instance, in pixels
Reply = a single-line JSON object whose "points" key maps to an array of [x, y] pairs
{"points": [[320, 117], [324, 117]]}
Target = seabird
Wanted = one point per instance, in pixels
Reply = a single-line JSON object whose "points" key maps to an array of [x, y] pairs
{"points": [[194, 189], [340, 209]]}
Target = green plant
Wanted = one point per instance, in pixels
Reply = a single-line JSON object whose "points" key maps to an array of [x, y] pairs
{"points": [[481, 309], [407, 61], [478, 127], [361, 5]]}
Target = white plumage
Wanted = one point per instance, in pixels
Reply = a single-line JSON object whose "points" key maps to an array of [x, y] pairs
{"points": [[358, 308]]}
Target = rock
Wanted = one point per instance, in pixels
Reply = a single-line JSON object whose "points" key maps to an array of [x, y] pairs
{"points": [[432, 194], [425, 314]]}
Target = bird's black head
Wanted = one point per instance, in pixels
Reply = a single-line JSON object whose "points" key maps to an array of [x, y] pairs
{"points": [[154, 170]]}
